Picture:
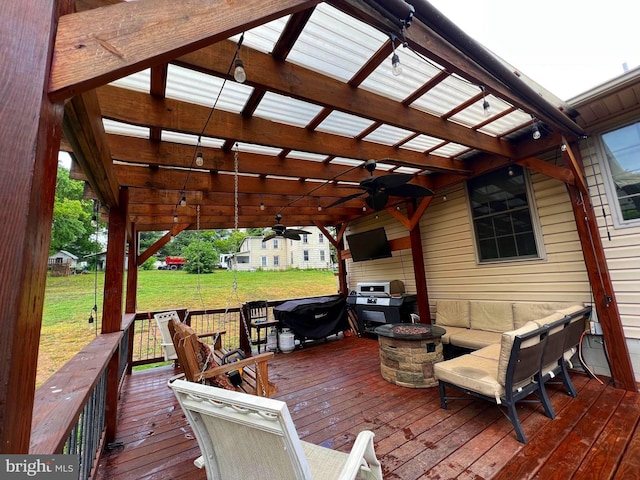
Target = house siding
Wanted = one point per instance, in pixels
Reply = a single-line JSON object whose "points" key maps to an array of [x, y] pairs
{"points": [[451, 265]]}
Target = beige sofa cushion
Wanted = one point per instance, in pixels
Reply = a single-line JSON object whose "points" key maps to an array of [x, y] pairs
{"points": [[571, 309], [449, 331], [475, 373], [506, 344], [524, 312], [474, 339], [452, 313], [492, 352], [491, 316]]}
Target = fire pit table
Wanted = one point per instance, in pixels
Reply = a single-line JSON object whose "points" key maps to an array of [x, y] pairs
{"points": [[408, 352]]}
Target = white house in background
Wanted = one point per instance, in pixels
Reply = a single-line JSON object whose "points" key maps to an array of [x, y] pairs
{"points": [[63, 257], [313, 250]]}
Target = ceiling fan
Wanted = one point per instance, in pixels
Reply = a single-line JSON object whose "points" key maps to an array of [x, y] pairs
{"points": [[379, 189], [279, 230]]}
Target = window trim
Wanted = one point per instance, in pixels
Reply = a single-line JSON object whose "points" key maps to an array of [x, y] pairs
{"points": [[607, 177], [535, 221]]}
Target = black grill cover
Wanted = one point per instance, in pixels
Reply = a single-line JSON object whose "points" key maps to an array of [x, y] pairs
{"points": [[314, 318]]}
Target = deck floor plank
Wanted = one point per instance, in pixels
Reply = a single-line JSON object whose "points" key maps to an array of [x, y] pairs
{"points": [[334, 390]]}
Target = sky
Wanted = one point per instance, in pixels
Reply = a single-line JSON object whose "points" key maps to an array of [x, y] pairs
{"points": [[566, 46]]}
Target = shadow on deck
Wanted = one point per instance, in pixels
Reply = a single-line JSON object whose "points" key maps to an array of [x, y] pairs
{"points": [[335, 389]]}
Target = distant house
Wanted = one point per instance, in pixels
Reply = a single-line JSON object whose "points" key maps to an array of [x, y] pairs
{"points": [[312, 251], [62, 263]]}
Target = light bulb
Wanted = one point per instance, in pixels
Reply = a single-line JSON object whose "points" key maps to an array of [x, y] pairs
{"points": [[396, 67], [444, 197], [239, 74], [261, 206], [536, 133], [364, 208], [563, 147], [510, 171], [199, 159], [175, 218], [319, 208], [183, 201], [486, 107]]}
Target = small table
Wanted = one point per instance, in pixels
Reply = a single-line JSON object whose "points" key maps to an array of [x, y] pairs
{"points": [[408, 352]]}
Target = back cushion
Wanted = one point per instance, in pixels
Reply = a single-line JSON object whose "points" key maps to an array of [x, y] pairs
{"points": [[532, 311], [506, 344], [452, 313], [491, 316]]}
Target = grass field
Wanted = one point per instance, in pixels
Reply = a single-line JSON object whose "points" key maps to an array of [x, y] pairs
{"points": [[69, 300]]}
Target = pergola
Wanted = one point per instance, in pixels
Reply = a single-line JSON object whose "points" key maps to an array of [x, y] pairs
{"points": [[137, 91]]}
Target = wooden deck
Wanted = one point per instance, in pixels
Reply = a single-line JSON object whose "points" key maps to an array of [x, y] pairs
{"points": [[334, 390]]}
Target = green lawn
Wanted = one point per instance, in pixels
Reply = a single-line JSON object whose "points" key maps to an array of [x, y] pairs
{"points": [[69, 300]]}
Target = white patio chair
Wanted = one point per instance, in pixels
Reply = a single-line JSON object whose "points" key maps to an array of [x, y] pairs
{"points": [[162, 320], [243, 436]]}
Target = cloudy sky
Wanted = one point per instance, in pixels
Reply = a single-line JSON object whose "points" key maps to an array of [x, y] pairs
{"points": [[567, 46]]}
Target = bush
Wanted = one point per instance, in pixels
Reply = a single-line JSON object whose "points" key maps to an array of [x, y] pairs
{"points": [[149, 264]]}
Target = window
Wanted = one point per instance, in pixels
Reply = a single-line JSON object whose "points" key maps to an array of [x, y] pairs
{"points": [[322, 255], [622, 152], [276, 260], [305, 238], [501, 215], [305, 255], [263, 261], [320, 237], [263, 245], [275, 243]]}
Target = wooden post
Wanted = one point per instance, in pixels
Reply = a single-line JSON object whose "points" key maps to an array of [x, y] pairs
{"points": [[603, 293], [29, 144], [418, 265], [132, 273], [112, 303]]}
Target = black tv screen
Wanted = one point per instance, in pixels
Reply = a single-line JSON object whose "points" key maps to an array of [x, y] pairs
{"points": [[369, 245]]}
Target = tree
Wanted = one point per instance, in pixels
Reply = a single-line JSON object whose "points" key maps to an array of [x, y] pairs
{"points": [[201, 257], [72, 228]]}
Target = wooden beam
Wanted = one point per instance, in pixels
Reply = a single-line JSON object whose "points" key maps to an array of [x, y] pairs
{"points": [[161, 242], [417, 256], [31, 130], [545, 168], [84, 130], [141, 109], [98, 46], [571, 159]]}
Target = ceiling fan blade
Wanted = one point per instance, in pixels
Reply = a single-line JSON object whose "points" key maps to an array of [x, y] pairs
{"points": [[291, 235], [345, 199], [269, 237], [392, 180], [298, 231], [410, 190]]}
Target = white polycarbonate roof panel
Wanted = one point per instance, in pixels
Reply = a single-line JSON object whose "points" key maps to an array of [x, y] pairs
{"points": [[199, 88], [422, 143], [290, 111], [253, 148], [190, 139], [507, 123], [475, 114], [345, 124], [120, 128], [447, 95], [335, 45], [314, 157], [450, 150], [415, 73], [139, 81], [351, 162], [264, 37], [388, 135]]}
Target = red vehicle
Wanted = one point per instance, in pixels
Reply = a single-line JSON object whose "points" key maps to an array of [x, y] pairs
{"points": [[173, 263]]}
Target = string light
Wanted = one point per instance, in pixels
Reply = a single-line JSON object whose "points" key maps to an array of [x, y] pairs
{"points": [[199, 159], [239, 74], [175, 218], [534, 130], [510, 171], [563, 147], [261, 206], [319, 207], [486, 107], [396, 66], [183, 201]]}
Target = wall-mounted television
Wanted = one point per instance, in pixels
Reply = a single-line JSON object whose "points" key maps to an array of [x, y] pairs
{"points": [[369, 245]]}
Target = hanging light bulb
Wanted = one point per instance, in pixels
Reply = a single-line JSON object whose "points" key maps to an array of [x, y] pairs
{"points": [[175, 218], [364, 208], [536, 133], [319, 207], [239, 74], [261, 206], [396, 66], [486, 106], [510, 171], [563, 147], [183, 201], [199, 159]]}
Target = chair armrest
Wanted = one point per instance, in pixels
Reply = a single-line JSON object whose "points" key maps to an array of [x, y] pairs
{"points": [[211, 334], [212, 372], [362, 449]]}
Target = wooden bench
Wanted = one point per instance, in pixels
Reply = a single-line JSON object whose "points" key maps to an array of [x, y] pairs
{"points": [[201, 362]]}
